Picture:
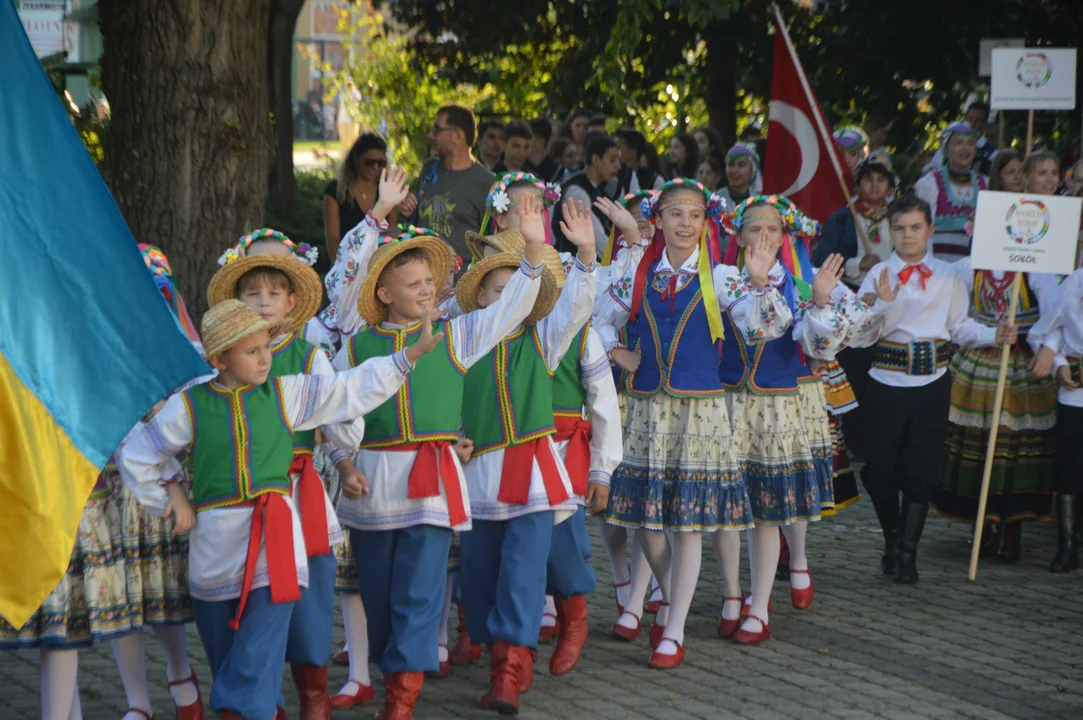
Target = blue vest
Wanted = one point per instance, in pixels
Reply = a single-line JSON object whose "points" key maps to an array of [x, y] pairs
{"points": [[678, 355], [771, 368]]}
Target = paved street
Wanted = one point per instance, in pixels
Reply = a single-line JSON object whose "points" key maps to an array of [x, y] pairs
{"points": [[1008, 646]]}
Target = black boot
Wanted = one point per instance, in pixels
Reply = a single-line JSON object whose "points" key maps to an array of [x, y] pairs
{"points": [[1067, 557], [912, 522], [1011, 547], [887, 512]]}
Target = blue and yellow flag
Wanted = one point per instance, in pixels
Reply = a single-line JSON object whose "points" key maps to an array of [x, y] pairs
{"points": [[87, 345]]}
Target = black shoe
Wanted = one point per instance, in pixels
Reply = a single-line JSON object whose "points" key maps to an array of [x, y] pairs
{"points": [[1067, 557], [1011, 546], [887, 512], [912, 522], [889, 561], [991, 539]]}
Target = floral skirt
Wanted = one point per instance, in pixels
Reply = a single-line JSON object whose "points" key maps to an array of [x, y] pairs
{"points": [[680, 470], [90, 604], [1024, 468], [784, 442], [155, 561]]}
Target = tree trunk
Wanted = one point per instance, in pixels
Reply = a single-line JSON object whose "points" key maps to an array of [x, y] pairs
{"points": [[190, 139], [721, 97], [280, 67]]}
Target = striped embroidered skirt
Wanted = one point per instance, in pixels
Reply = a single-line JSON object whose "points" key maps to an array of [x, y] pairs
{"points": [[680, 470], [840, 400], [1023, 464], [155, 562], [784, 442], [90, 604]]}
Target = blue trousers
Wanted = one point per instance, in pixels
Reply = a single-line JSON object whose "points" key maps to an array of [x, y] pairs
{"points": [[502, 563], [568, 571], [314, 615], [246, 664], [402, 574]]}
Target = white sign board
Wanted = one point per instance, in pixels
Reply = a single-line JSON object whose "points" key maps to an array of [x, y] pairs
{"points": [[45, 28], [986, 48], [1033, 79], [1027, 233]]}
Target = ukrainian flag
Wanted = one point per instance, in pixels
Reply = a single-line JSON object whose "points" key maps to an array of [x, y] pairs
{"points": [[87, 344]]}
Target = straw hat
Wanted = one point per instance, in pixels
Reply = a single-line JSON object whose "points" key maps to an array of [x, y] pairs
{"points": [[466, 292], [306, 284], [229, 322], [441, 261], [513, 241]]}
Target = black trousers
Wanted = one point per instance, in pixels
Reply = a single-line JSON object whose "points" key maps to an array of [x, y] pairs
{"points": [[906, 430], [1069, 450], [856, 363]]}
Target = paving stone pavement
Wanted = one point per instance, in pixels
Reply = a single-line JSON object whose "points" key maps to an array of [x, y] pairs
{"points": [[1008, 646]]}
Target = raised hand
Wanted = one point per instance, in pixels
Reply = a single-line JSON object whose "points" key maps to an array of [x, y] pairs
{"points": [[427, 341], [578, 227], [394, 188], [884, 291], [627, 359], [620, 217], [760, 256], [1042, 363], [532, 224], [827, 279]]}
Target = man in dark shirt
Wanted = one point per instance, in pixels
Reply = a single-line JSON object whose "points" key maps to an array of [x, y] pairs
{"points": [[517, 139], [538, 161]]}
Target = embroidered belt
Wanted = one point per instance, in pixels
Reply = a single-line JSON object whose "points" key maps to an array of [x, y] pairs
{"points": [[434, 464], [921, 357], [576, 431], [313, 508]]}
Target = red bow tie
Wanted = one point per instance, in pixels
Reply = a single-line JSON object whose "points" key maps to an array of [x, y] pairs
{"points": [[923, 271]]}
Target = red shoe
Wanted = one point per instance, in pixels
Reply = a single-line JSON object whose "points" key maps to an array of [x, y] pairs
{"points": [[726, 628], [341, 659], [657, 630], [311, 685], [445, 667], [667, 662], [402, 691], [746, 606], [744, 637], [617, 586], [626, 634], [573, 635], [548, 632], [526, 675], [652, 606], [801, 599], [140, 712], [364, 694], [505, 677], [195, 710], [464, 652]]}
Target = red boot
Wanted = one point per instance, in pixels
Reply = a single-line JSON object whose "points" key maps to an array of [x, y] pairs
{"points": [[505, 678], [311, 685], [572, 616], [526, 676], [464, 652], [402, 692]]}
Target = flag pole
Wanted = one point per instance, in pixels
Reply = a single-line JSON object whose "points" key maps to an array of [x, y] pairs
{"points": [[828, 140]]}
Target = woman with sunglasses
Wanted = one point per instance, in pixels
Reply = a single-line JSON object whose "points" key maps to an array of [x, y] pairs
{"points": [[355, 190]]}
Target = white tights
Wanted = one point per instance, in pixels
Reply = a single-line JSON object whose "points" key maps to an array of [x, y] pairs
{"points": [[687, 558], [131, 661], [763, 549], [727, 550], [441, 650], [357, 639], [60, 685], [631, 579], [795, 538]]}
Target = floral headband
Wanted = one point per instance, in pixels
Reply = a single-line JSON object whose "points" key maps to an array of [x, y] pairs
{"points": [[634, 201], [498, 200], [303, 252], [651, 208], [796, 223], [407, 232]]}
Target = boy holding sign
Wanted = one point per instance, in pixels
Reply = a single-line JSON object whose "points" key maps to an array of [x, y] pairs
{"points": [[909, 390]]}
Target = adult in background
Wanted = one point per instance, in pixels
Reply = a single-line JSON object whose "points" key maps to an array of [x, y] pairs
{"points": [[603, 164], [575, 129], [632, 144], [742, 174], [683, 156], [565, 155], [539, 163], [451, 194], [854, 144], [355, 190], [710, 173], [490, 143], [597, 124], [517, 140], [951, 189], [710, 144]]}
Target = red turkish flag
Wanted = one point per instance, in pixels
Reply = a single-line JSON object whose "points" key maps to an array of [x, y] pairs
{"points": [[803, 161]]}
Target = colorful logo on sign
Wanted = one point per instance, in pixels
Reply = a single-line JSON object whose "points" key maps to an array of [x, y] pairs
{"points": [[1033, 70], [1027, 221]]}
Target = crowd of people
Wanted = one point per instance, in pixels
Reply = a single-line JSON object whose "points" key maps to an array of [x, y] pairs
{"points": [[565, 330]]}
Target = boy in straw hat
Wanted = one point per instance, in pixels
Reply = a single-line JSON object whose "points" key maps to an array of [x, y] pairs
{"points": [[247, 556], [401, 530], [590, 449], [518, 487], [273, 277]]}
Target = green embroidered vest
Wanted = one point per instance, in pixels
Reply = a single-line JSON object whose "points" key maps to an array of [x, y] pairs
{"points": [[242, 446], [514, 378], [569, 395], [294, 356], [428, 406]]}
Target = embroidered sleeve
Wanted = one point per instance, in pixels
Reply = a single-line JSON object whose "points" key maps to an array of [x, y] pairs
{"points": [[611, 313], [760, 315], [531, 271], [606, 444], [344, 281], [314, 400], [149, 456], [342, 438], [571, 313]]}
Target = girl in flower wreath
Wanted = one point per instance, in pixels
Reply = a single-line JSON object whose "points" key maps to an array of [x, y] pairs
{"points": [[681, 470], [778, 407]]}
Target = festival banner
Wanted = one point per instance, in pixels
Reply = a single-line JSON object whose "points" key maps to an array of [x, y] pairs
{"points": [[1033, 79], [1026, 233]]}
